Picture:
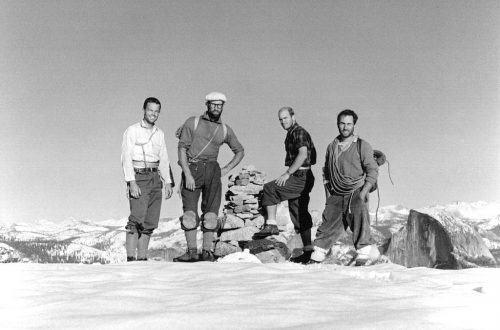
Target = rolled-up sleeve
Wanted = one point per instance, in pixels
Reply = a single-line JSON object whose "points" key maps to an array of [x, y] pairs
{"points": [[126, 156], [369, 164], [302, 138], [186, 135], [164, 166], [232, 141]]}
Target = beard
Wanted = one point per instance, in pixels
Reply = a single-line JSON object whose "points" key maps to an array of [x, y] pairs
{"points": [[345, 134], [212, 116]]}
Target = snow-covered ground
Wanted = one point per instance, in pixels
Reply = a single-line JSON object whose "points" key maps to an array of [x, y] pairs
{"points": [[163, 295], [166, 295]]}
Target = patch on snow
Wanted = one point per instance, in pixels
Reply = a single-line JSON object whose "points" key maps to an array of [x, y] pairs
{"points": [[238, 257]]}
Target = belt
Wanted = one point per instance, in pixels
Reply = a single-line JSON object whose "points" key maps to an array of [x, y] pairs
{"points": [[141, 164], [194, 161], [145, 170]]}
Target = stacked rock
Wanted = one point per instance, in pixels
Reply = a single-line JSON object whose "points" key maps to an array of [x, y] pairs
{"points": [[242, 210]]}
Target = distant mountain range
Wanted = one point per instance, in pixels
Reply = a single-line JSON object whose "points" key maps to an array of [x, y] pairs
{"points": [[75, 241]]}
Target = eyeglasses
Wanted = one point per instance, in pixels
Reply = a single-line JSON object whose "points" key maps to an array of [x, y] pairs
{"points": [[216, 105]]}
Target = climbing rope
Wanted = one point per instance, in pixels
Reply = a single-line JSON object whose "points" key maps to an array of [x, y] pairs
{"points": [[381, 160]]}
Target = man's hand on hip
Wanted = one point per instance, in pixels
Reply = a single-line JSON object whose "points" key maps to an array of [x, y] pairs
{"points": [[223, 172]]}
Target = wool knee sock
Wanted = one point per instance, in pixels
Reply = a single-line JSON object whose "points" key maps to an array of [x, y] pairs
{"points": [[208, 240], [191, 239]]}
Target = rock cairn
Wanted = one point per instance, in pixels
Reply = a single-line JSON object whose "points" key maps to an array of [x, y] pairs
{"points": [[242, 216]]}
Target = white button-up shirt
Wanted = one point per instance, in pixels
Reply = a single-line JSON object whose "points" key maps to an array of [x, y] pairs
{"points": [[144, 144]]}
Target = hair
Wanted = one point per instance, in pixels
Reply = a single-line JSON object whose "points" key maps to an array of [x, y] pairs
{"points": [[289, 109], [347, 112], [150, 100]]}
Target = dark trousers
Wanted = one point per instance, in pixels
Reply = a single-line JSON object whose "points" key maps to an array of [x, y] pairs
{"points": [[342, 212], [208, 183], [296, 190], [145, 210]]}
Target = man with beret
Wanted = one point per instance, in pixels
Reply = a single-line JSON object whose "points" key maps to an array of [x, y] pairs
{"points": [[199, 141]]}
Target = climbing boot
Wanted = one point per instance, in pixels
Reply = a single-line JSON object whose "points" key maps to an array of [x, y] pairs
{"points": [[191, 255], [367, 255], [268, 230], [142, 247], [303, 258], [207, 255], [318, 255]]}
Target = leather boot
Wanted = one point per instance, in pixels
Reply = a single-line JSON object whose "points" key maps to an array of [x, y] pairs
{"points": [[142, 247], [268, 230], [303, 258], [207, 255], [191, 255], [131, 239]]}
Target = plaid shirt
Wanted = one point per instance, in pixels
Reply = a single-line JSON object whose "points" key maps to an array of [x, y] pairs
{"points": [[296, 138]]}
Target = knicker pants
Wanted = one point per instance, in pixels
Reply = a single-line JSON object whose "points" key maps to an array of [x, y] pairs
{"points": [[145, 210], [296, 190], [207, 177], [337, 217]]}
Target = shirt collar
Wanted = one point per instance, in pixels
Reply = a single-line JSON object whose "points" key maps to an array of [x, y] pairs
{"points": [[292, 128], [143, 125], [354, 138], [206, 117]]}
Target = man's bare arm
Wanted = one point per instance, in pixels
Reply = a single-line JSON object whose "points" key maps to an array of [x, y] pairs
{"points": [[238, 156], [297, 162]]}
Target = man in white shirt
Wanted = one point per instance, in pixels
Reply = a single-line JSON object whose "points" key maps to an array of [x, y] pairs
{"points": [[147, 169]]}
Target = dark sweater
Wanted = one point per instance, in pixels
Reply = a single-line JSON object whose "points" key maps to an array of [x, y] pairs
{"points": [[350, 164]]}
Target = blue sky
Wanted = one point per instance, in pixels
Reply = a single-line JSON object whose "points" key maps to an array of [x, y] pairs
{"points": [[422, 75]]}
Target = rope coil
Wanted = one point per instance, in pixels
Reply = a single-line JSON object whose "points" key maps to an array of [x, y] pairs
{"points": [[381, 159]]}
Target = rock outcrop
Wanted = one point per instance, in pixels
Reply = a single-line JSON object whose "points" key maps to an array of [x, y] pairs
{"points": [[9, 254], [438, 241]]}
